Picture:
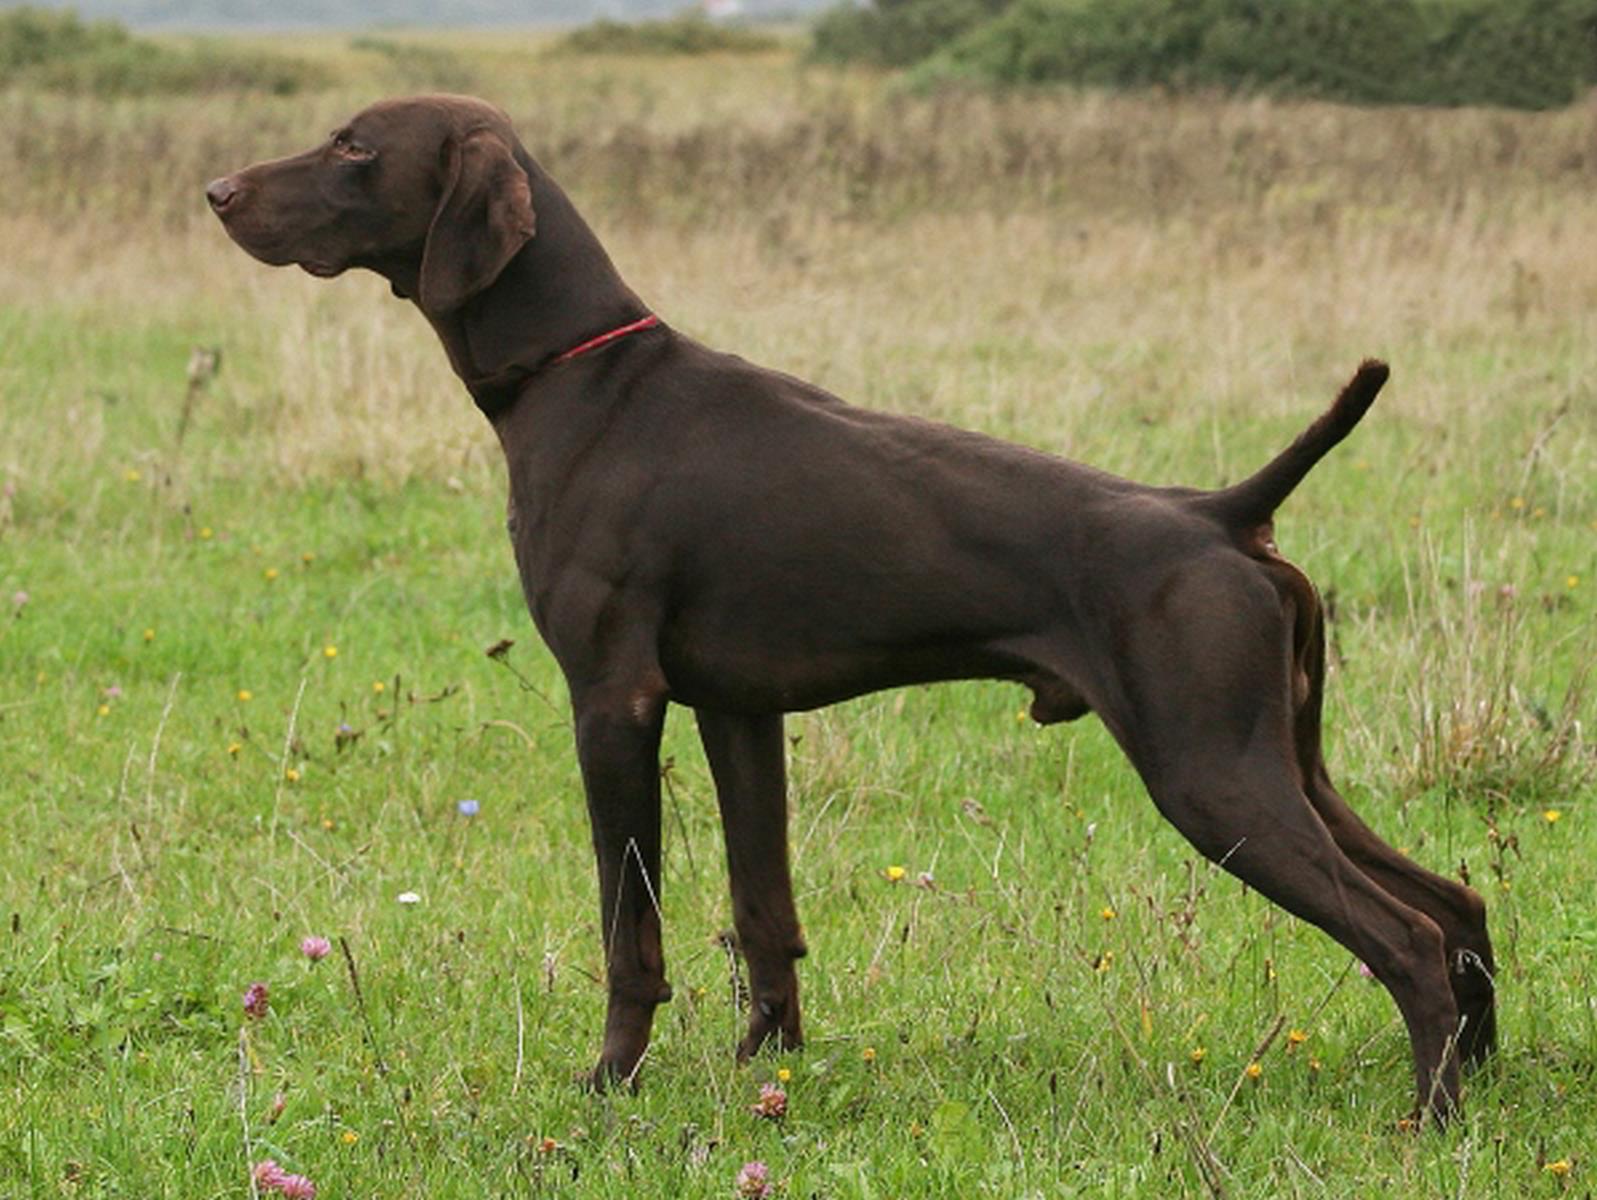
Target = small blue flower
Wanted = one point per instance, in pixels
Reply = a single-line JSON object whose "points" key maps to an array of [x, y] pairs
{"points": [[467, 808]]}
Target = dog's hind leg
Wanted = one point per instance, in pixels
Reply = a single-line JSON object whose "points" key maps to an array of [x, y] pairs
{"points": [[1252, 819], [1207, 717], [746, 757], [1458, 910]]}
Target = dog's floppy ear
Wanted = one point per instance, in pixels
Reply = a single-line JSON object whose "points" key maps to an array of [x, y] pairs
{"points": [[484, 218]]}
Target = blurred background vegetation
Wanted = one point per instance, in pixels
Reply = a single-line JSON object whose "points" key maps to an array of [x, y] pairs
{"points": [[59, 51], [1532, 54], [1524, 54]]}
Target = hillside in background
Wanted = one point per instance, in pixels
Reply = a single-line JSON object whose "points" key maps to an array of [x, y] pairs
{"points": [[249, 14]]}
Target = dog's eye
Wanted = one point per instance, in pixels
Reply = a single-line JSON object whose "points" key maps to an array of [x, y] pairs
{"points": [[348, 149]]}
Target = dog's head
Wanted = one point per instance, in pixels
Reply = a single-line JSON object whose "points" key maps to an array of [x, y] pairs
{"points": [[427, 191]]}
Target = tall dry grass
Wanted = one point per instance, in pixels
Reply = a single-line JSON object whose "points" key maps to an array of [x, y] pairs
{"points": [[911, 251], [648, 140]]}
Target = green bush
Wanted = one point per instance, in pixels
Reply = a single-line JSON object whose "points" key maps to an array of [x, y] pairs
{"points": [[690, 33], [30, 37], [1357, 50], [1364, 51], [897, 33], [1512, 53], [57, 50]]}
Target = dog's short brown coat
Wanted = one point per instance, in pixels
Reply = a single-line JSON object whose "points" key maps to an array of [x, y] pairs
{"points": [[689, 527]]}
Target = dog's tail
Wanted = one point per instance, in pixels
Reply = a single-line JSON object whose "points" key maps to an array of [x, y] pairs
{"points": [[1255, 499]]}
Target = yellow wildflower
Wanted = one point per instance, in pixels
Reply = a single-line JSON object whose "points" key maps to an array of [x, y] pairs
{"points": [[1552, 816], [1559, 1167], [1253, 1070], [894, 873]]}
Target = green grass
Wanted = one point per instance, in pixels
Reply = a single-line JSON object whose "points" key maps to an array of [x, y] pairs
{"points": [[1022, 1023], [162, 861]]}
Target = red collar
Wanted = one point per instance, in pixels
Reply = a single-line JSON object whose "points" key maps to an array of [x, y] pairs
{"points": [[495, 393], [604, 339]]}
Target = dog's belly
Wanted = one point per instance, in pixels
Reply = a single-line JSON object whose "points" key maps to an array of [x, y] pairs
{"points": [[768, 679], [793, 665]]}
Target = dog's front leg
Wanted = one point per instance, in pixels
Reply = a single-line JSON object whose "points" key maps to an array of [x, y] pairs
{"points": [[618, 744], [746, 757]]}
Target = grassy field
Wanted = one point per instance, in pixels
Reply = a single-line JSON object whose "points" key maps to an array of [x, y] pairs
{"points": [[243, 687]]}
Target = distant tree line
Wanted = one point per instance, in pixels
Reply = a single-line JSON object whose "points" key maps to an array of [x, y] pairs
{"points": [[58, 50], [1530, 54], [378, 14]]}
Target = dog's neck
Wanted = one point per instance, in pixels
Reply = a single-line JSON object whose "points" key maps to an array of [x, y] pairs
{"points": [[558, 292]]}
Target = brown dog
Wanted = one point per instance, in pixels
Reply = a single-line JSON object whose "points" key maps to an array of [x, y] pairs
{"points": [[689, 527]]}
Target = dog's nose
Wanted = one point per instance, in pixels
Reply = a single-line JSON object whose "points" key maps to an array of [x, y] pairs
{"points": [[221, 193]]}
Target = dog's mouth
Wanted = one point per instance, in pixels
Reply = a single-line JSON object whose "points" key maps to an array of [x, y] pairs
{"points": [[274, 243]]}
